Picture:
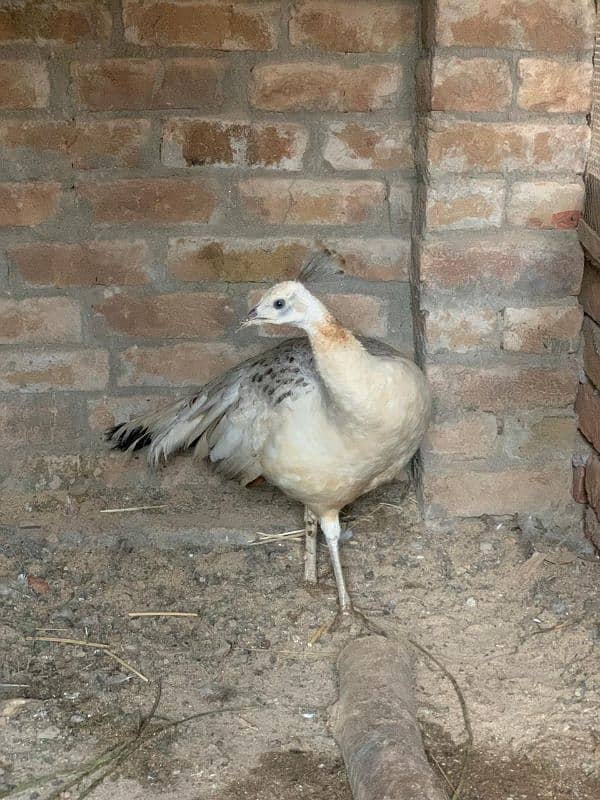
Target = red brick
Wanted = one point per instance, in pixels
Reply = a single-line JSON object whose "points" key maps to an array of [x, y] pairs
{"points": [[176, 315], [472, 494], [229, 260], [357, 145], [591, 350], [502, 388], [225, 143], [545, 204], [464, 146], [592, 527], [182, 364], [311, 86], [528, 265], [348, 26], [83, 145], [161, 201], [547, 85], [25, 204], [138, 83], [587, 407], [189, 23], [592, 482], [460, 330], [361, 313], [312, 202], [39, 320], [544, 329], [23, 85], [590, 291], [94, 263], [374, 259], [41, 371], [58, 22], [552, 25], [210, 259], [465, 203], [472, 436], [470, 84], [42, 420]]}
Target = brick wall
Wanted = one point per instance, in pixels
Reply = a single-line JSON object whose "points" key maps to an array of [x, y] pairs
{"points": [[504, 93], [159, 161]]}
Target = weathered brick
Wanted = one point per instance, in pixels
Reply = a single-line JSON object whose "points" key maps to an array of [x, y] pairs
{"points": [[104, 412], [587, 407], [211, 24], [590, 291], [464, 146], [312, 202], [93, 263], [161, 201], [181, 364], [547, 85], [361, 313], [25, 204], [58, 22], [502, 388], [470, 84], [548, 437], [23, 85], [528, 265], [42, 371], [552, 25], [210, 259], [474, 435], [544, 329], [345, 26], [465, 203], [37, 420], [82, 145], [39, 320], [592, 527], [225, 143], [401, 197], [591, 350], [460, 330], [592, 482], [177, 315], [359, 145], [472, 494], [138, 83], [374, 259], [311, 86], [545, 204]]}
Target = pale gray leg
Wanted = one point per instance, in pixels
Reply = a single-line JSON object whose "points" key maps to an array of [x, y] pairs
{"points": [[330, 525], [311, 526]]}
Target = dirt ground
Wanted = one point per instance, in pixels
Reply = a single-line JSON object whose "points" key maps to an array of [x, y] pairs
{"points": [[513, 616]]}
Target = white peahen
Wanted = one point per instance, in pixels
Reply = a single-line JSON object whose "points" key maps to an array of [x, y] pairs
{"points": [[324, 418]]}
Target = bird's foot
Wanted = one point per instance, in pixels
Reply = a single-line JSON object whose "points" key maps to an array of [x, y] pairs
{"points": [[348, 620]]}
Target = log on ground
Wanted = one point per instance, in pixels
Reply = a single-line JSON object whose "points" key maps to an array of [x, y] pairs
{"points": [[374, 723]]}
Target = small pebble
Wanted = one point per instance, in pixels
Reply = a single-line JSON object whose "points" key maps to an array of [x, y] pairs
{"points": [[471, 602]]}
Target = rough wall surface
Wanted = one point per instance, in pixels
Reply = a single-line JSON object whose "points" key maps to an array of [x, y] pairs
{"points": [[159, 161], [504, 89]]}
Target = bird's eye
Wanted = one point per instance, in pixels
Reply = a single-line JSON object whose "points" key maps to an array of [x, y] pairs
{"points": [[279, 303]]}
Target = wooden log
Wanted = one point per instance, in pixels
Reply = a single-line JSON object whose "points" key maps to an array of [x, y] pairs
{"points": [[374, 723]]}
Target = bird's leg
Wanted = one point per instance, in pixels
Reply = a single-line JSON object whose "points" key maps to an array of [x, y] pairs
{"points": [[330, 525], [311, 526]]}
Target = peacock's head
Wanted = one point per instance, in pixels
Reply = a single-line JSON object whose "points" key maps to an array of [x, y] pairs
{"points": [[290, 302]]}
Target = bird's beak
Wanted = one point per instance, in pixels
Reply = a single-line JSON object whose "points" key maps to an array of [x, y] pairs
{"points": [[251, 318]]}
